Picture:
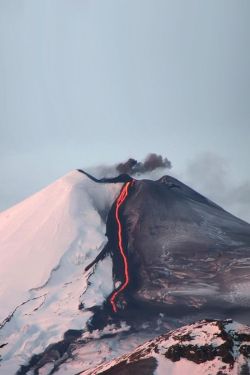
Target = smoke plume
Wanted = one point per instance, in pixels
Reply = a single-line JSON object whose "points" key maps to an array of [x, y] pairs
{"points": [[151, 162]]}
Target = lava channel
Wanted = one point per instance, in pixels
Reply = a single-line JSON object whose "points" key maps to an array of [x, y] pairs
{"points": [[121, 199]]}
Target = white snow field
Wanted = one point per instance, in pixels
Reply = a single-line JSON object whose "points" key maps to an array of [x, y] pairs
{"points": [[46, 242]]}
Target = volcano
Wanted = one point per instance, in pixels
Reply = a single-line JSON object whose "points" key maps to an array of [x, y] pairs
{"points": [[91, 265]]}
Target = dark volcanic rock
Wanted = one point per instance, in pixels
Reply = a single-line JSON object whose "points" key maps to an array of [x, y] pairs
{"points": [[183, 249], [206, 347]]}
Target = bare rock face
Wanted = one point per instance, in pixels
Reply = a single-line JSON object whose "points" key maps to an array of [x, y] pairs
{"points": [[212, 347]]}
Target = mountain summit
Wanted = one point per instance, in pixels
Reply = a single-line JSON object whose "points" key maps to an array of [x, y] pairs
{"points": [[103, 265]]}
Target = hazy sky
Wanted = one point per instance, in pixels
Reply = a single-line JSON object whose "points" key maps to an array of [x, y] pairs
{"points": [[84, 82]]}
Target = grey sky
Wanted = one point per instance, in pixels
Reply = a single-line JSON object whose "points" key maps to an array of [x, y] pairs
{"points": [[84, 82]]}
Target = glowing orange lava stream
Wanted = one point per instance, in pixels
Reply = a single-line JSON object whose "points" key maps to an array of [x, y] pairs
{"points": [[123, 195]]}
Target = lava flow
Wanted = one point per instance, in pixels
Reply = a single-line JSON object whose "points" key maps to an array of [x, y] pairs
{"points": [[122, 197]]}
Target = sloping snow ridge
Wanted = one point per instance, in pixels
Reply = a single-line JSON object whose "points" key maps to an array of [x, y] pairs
{"points": [[46, 242], [205, 347]]}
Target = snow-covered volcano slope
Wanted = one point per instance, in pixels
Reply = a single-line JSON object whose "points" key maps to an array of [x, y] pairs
{"points": [[208, 347], [46, 242]]}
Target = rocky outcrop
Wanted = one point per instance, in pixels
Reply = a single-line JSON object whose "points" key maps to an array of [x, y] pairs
{"points": [[212, 347]]}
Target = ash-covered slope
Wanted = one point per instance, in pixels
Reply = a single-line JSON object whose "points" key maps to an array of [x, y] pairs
{"points": [[206, 347], [183, 248]]}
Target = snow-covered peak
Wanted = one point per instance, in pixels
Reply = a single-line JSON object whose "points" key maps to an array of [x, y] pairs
{"points": [[33, 236], [180, 253], [46, 242]]}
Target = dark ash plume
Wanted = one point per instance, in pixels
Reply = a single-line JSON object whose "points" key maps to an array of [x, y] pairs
{"points": [[127, 167], [151, 162]]}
